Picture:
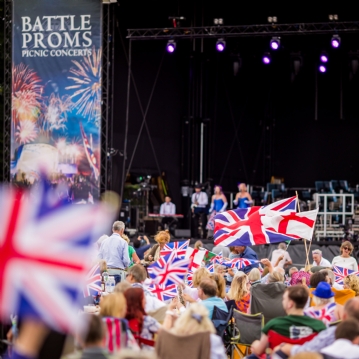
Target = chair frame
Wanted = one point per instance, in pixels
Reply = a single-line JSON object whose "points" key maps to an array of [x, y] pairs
{"points": [[235, 339]]}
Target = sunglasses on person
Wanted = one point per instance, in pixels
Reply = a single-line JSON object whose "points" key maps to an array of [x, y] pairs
{"points": [[346, 248]]}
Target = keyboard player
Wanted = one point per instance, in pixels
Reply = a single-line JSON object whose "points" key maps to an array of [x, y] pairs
{"points": [[167, 209]]}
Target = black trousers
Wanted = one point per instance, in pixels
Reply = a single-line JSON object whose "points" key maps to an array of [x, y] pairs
{"points": [[199, 218]]}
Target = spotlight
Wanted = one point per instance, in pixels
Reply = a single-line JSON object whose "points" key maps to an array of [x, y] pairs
{"points": [[335, 41], [275, 43], [322, 68], [218, 21], [324, 57], [266, 58], [220, 45], [171, 46]]}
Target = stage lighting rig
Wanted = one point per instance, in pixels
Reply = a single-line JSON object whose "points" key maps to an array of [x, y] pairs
{"points": [[335, 42], [324, 57], [220, 45], [333, 17], [171, 46], [176, 20], [274, 43], [272, 19], [322, 68], [266, 58], [218, 21]]}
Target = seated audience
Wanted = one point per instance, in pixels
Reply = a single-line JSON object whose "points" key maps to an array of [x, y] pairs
{"points": [[346, 343], [112, 310], [240, 293], [162, 238], [221, 249], [280, 256], [221, 284], [198, 245], [192, 337], [275, 276], [325, 337], [141, 245], [318, 259], [352, 282], [136, 275], [331, 279], [324, 309], [139, 322], [254, 277], [207, 292], [295, 325], [122, 287], [219, 269], [191, 294]]}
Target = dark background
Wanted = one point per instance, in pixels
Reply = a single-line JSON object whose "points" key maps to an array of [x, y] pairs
{"points": [[274, 115]]}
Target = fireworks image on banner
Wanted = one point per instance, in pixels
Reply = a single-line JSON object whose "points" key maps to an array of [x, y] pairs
{"points": [[87, 78], [26, 94], [26, 132]]}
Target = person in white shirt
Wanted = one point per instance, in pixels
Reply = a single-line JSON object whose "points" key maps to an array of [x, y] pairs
{"points": [[347, 340], [318, 259], [199, 210], [277, 253], [167, 209], [345, 260]]}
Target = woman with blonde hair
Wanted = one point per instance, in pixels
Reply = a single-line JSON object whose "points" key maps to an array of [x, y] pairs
{"points": [[191, 294], [194, 333], [221, 284], [352, 282], [113, 309], [345, 260], [254, 277], [162, 238], [240, 293], [198, 245]]}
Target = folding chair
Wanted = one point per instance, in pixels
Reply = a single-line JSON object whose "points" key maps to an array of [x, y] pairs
{"points": [[247, 329], [134, 327], [267, 299], [222, 321]]}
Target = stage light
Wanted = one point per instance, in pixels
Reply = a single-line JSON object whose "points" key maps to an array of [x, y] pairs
{"points": [[335, 41], [220, 45], [324, 57], [274, 43], [266, 58], [171, 46], [322, 68]]}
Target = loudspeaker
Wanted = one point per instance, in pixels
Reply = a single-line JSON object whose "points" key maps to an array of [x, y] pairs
{"points": [[186, 233]]}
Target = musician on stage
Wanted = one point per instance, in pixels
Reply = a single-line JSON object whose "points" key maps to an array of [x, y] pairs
{"points": [[199, 210], [168, 208]]}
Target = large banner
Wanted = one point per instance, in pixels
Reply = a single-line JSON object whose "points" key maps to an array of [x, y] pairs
{"points": [[56, 95]]}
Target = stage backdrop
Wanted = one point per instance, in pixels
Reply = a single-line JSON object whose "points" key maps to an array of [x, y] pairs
{"points": [[56, 94]]}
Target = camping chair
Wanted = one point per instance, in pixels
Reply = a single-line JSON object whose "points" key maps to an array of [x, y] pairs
{"points": [[267, 299], [275, 339], [159, 314], [134, 327], [247, 329], [222, 321]]}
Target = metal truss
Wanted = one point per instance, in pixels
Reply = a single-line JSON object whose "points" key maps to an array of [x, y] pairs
{"points": [[243, 30], [108, 53], [7, 88]]}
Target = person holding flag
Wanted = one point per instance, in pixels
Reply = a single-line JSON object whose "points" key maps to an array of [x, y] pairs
{"points": [[281, 252]]}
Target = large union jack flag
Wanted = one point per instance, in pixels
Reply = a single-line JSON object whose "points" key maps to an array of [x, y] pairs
{"points": [[179, 247], [239, 263], [44, 249], [341, 273], [163, 293], [326, 314], [93, 281], [277, 222], [169, 270]]}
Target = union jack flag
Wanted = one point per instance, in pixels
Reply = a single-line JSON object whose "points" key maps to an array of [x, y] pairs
{"points": [[239, 263], [93, 281], [341, 273], [44, 247], [169, 270], [326, 314], [179, 247], [89, 153], [190, 279], [277, 222], [163, 293], [210, 267]]}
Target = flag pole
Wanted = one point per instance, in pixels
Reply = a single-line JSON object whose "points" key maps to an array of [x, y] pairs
{"points": [[305, 241]]}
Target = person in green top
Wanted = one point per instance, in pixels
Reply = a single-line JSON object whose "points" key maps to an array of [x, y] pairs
{"points": [[295, 325], [131, 252]]}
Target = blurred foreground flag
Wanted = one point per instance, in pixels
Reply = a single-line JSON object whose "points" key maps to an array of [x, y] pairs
{"points": [[45, 247], [277, 222]]}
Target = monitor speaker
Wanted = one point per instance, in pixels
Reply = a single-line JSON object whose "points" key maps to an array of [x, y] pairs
{"points": [[185, 233]]}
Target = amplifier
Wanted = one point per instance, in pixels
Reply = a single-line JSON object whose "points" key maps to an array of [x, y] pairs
{"points": [[185, 233]]}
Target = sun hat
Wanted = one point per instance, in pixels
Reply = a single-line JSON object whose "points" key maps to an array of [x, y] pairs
{"points": [[323, 290]]}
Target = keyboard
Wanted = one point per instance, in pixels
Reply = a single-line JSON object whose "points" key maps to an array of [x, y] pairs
{"points": [[156, 215]]}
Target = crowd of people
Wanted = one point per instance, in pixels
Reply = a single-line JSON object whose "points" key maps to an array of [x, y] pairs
{"points": [[313, 316]]}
